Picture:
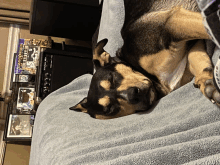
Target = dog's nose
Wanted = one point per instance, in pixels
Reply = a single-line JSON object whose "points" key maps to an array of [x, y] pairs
{"points": [[132, 95]]}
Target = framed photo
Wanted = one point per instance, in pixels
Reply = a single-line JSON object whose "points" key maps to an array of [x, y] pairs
{"points": [[25, 99], [19, 127], [24, 78]]}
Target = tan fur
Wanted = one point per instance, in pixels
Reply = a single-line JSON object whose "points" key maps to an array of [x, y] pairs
{"points": [[103, 58], [79, 106], [105, 84], [198, 61], [187, 76], [105, 101], [126, 109], [186, 24], [102, 117], [130, 78], [183, 24], [165, 61]]}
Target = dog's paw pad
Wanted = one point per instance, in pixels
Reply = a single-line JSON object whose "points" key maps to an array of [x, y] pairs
{"points": [[209, 82], [216, 96], [211, 92]]}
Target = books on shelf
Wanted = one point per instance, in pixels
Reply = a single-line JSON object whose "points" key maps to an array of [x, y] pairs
{"points": [[27, 56], [26, 61]]}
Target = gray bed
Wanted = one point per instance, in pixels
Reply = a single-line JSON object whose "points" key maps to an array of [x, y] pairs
{"points": [[183, 128]]}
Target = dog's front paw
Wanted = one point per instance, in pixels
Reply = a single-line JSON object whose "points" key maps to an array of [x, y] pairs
{"points": [[211, 92]]}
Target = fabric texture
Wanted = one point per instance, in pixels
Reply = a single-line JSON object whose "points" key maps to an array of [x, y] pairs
{"points": [[210, 10], [182, 128]]}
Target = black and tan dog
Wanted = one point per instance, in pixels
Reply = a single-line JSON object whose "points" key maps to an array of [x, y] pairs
{"points": [[163, 50]]}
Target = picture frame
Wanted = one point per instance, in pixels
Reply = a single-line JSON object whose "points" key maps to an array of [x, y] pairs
{"points": [[25, 100], [19, 127], [24, 78]]}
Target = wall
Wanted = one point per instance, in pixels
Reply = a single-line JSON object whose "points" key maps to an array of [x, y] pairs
{"points": [[3, 47]]}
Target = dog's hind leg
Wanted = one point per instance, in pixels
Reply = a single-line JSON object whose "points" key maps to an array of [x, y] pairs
{"points": [[201, 67], [186, 25]]}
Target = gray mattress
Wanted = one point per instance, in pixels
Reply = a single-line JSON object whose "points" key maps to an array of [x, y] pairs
{"points": [[183, 128]]}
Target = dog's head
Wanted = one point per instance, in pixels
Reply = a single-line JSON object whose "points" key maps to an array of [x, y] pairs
{"points": [[116, 89]]}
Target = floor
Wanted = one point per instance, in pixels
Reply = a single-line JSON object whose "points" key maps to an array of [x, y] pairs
{"points": [[17, 154]]}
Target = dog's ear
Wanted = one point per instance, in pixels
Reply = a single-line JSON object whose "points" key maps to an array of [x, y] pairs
{"points": [[81, 106], [100, 57]]}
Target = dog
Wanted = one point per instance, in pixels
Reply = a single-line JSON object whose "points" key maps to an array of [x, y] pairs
{"points": [[163, 50]]}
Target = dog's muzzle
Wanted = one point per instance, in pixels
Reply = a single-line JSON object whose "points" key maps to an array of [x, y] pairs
{"points": [[136, 95], [132, 95]]}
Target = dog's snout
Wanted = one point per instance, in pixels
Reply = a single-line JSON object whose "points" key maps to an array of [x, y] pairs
{"points": [[133, 91], [132, 95]]}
